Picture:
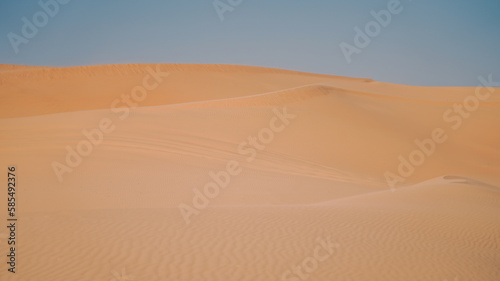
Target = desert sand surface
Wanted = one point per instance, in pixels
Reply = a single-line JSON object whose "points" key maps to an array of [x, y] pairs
{"points": [[308, 200]]}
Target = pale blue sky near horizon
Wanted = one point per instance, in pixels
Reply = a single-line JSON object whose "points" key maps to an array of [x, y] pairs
{"points": [[429, 43]]}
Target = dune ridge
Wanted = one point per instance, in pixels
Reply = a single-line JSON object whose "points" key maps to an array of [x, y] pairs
{"points": [[319, 178]]}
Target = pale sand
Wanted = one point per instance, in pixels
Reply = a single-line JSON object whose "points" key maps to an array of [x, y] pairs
{"points": [[322, 177]]}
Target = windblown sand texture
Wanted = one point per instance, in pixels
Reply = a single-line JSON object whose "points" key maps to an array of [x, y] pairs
{"points": [[116, 216]]}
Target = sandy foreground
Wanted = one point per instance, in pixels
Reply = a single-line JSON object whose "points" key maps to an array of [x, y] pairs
{"points": [[217, 173]]}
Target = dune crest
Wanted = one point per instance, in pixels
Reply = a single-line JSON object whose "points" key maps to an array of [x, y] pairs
{"points": [[273, 164]]}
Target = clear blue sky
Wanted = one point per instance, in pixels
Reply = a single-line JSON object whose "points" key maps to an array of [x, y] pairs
{"points": [[430, 43]]}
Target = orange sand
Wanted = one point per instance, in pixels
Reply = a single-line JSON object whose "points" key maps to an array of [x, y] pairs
{"points": [[320, 178]]}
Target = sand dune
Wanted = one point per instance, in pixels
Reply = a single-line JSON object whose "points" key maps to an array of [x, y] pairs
{"points": [[315, 175]]}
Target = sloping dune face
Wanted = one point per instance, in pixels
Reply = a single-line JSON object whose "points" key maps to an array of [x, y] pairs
{"points": [[218, 172]]}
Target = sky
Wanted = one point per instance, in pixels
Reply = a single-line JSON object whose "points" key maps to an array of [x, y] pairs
{"points": [[425, 42]]}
